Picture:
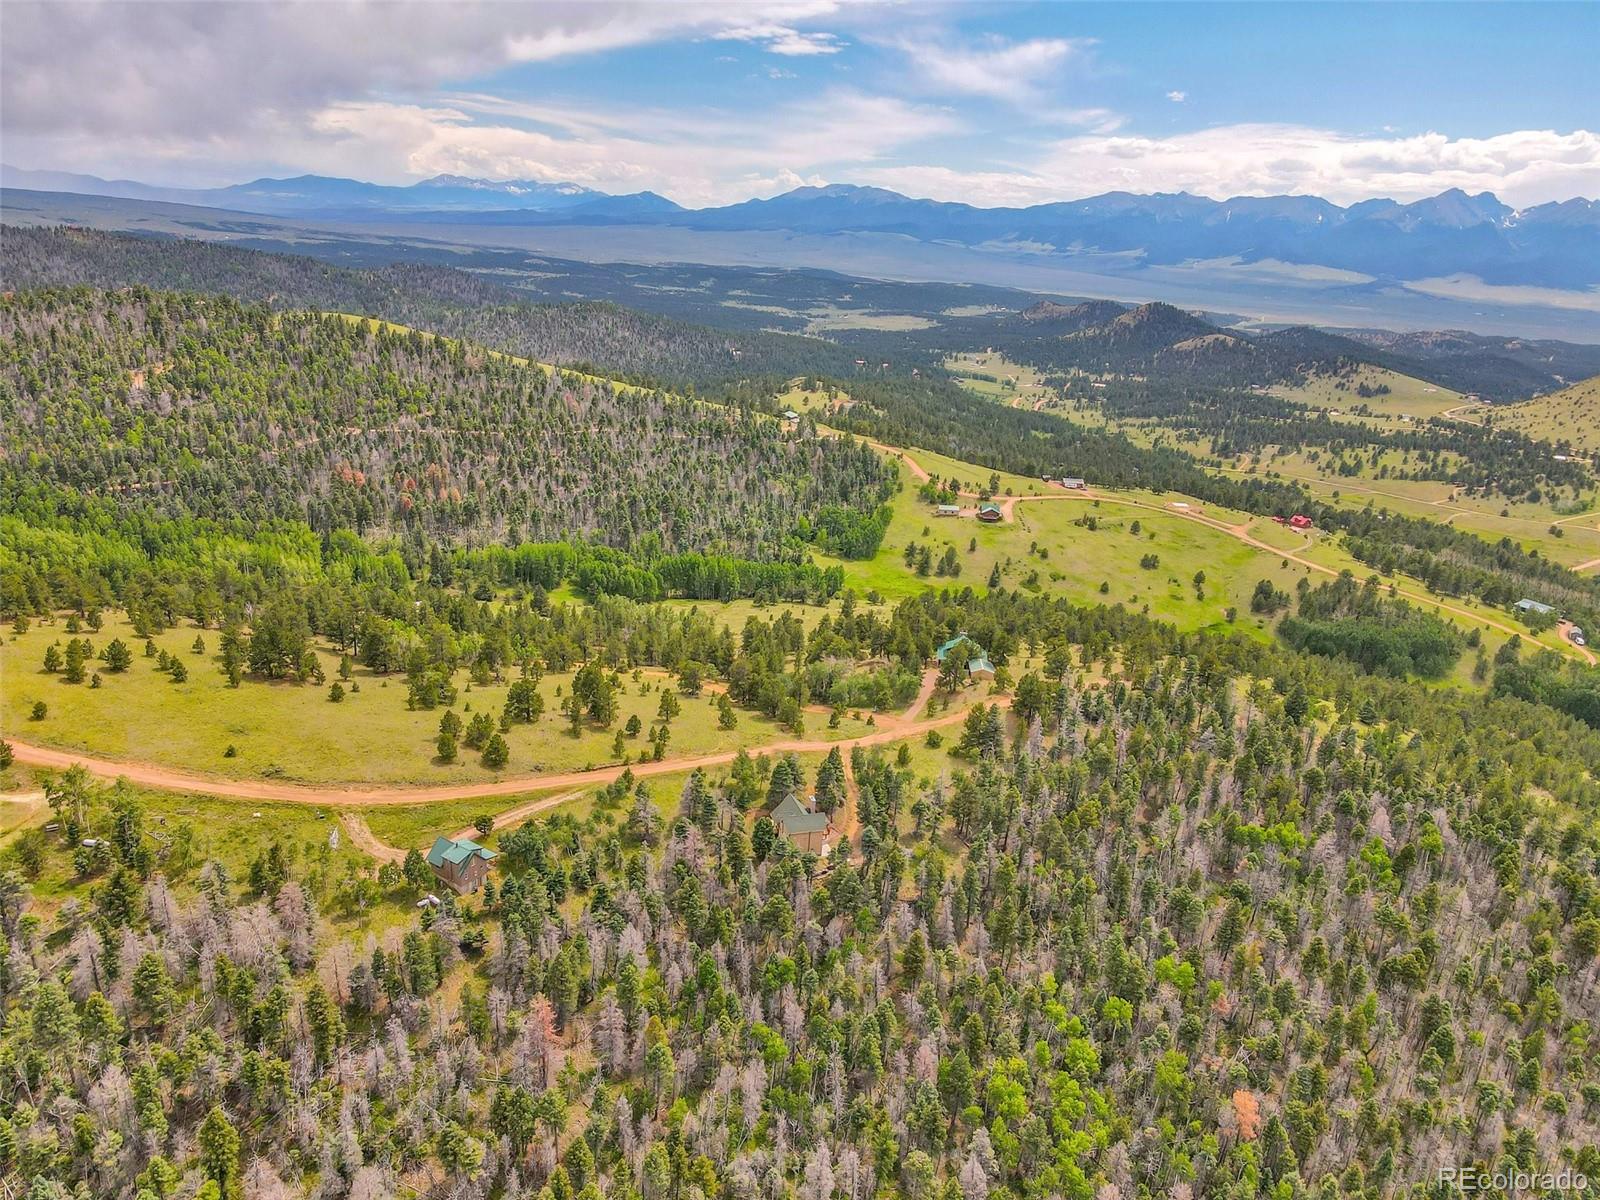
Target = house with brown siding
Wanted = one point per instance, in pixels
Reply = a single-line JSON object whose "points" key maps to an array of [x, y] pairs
{"points": [[460, 863]]}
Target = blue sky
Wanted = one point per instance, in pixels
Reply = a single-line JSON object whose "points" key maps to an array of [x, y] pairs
{"points": [[713, 103]]}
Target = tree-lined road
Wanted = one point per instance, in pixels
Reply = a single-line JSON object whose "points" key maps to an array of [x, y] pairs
{"points": [[892, 728]]}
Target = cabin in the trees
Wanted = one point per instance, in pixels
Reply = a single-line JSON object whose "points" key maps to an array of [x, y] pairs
{"points": [[806, 828], [790, 415], [989, 511], [1299, 521], [460, 863], [979, 668]]}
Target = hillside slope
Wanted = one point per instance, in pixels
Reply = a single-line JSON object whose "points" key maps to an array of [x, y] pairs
{"points": [[199, 406], [614, 341], [1569, 418]]}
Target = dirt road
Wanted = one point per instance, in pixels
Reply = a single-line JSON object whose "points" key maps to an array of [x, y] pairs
{"points": [[1241, 531], [363, 839], [1565, 629], [173, 779], [930, 680], [20, 808]]}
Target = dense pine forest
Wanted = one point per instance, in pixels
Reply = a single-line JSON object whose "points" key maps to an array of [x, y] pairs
{"points": [[201, 407], [622, 343]]}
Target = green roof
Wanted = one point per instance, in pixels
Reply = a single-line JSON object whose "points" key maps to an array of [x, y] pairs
{"points": [[456, 851], [945, 649], [981, 663], [793, 817]]}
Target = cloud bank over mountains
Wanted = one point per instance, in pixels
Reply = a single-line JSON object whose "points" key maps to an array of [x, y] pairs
{"points": [[881, 93]]}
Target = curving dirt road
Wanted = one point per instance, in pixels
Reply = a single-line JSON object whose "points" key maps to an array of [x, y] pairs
{"points": [[363, 839], [175, 780], [891, 727], [1241, 531], [1565, 629]]}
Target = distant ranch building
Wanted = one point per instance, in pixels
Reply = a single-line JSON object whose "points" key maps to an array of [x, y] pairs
{"points": [[989, 512]]}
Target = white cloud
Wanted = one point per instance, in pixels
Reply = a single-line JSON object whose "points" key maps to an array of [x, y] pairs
{"points": [[1099, 120], [782, 39], [696, 158], [208, 92], [1177, 97], [993, 67], [986, 189], [1522, 168], [218, 69]]}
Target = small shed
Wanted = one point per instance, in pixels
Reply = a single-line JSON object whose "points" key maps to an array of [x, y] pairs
{"points": [[805, 828], [1073, 483], [460, 863], [989, 511], [948, 510], [980, 669], [789, 414]]}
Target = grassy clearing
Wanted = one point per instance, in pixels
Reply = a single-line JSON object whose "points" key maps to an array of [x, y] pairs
{"points": [[293, 732], [1570, 416], [997, 378], [1550, 528], [232, 832], [1050, 547], [1407, 396], [418, 824], [823, 319], [735, 613]]}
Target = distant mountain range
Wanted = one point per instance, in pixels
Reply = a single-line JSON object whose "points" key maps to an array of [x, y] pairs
{"points": [[1453, 234], [322, 196]]}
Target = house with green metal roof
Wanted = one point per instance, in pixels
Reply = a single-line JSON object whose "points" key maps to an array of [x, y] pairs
{"points": [[805, 828], [460, 863], [979, 668]]}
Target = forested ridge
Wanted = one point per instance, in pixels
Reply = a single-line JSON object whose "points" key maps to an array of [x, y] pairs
{"points": [[200, 406], [622, 343]]}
